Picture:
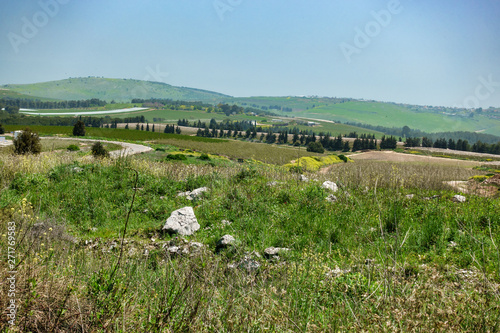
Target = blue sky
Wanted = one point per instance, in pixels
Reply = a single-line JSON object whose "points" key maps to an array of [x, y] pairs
{"points": [[427, 52]]}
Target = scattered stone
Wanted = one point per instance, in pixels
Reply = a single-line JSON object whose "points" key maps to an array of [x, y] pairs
{"points": [[453, 244], [182, 221], [330, 186], [272, 252], [226, 222], [331, 198], [304, 178], [112, 246], [225, 241], [194, 194], [458, 198], [410, 196], [433, 197], [77, 169]]}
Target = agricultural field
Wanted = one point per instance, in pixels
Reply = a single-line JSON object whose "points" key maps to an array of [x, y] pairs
{"points": [[390, 250]]}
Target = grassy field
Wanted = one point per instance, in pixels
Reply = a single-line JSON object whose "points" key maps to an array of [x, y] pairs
{"points": [[373, 260]]}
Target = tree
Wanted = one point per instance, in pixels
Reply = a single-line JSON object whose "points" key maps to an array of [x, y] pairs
{"points": [[315, 147], [2, 130], [98, 150], [79, 128], [28, 142]]}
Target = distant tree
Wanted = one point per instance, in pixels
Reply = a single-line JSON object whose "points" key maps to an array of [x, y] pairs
{"points": [[126, 126], [2, 130], [142, 127], [79, 128], [315, 147], [346, 147], [137, 127], [28, 142], [426, 142], [405, 132], [98, 150], [147, 127], [177, 130]]}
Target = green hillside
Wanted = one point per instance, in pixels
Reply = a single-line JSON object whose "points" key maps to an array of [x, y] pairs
{"points": [[428, 119], [112, 89]]}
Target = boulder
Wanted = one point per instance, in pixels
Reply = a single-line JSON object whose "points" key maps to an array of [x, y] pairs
{"points": [[330, 186], [182, 221], [458, 198]]}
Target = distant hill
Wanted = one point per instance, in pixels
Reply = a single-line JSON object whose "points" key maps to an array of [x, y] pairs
{"points": [[119, 90]]}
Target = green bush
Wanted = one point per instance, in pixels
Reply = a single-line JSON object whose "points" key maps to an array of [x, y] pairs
{"points": [[176, 157], [343, 158], [204, 157], [73, 148], [98, 150], [28, 142]]}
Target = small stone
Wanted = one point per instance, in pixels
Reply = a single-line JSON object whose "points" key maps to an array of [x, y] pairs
{"points": [[272, 252], [410, 196], [459, 198], [226, 222], [330, 186], [331, 198], [304, 178], [249, 264], [225, 241]]}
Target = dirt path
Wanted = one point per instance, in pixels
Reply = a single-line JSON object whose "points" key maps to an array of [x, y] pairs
{"points": [[127, 148]]}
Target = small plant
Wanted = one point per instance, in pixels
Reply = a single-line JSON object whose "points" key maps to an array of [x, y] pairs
{"points": [[73, 148], [79, 128], [98, 150], [343, 158], [28, 142]]}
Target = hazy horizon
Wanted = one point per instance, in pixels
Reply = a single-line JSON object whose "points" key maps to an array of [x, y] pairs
{"points": [[424, 53]]}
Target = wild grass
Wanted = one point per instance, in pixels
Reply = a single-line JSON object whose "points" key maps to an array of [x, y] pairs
{"points": [[373, 260]]}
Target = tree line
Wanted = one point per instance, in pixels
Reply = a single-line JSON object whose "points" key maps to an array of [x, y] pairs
{"points": [[25, 103], [462, 145]]}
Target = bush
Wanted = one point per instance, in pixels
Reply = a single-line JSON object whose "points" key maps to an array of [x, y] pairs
{"points": [[79, 128], [73, 148], [28, 142], [176, 157], [343, 158], [204, 157], [98, 150], [315, 147]]}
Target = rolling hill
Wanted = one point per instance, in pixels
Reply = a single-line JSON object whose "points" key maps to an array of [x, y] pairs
{"points": [[120, 90], [425, 118]]}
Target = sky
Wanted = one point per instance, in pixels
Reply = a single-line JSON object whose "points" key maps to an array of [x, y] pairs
{"points": [[426, 52]]}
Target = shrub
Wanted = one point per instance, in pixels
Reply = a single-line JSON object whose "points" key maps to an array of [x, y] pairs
{"points": [[73, 148], [343, 158], [176, 157], [79, 128], [204, 157], [98, 150], [28, 142]]}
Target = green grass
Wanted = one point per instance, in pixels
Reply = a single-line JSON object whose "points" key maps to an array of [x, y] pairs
{"points": [[373, 260]]}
